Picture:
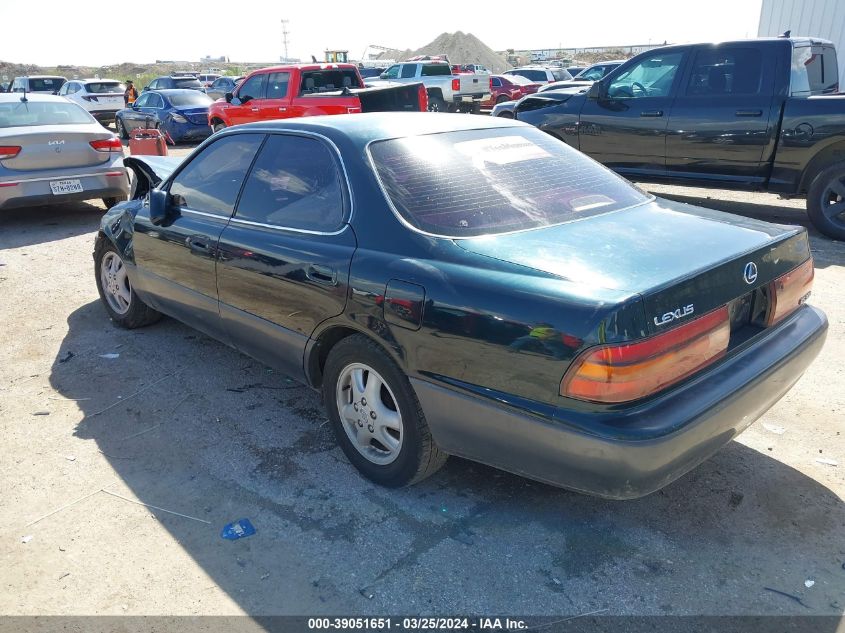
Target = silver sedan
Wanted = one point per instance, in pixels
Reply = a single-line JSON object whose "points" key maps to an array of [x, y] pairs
{"points": [[52, 150]]}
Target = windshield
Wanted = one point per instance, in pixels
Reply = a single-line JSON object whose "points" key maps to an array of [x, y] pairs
{"points": [[33, 113], [186, 82], [100, 87], [189, 99], [485, 182], [520, 80]]}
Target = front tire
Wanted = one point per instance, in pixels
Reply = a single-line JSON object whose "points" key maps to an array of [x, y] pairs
{"points": [[218, 126], [121, 129], [123, 306], [826, 201], [376, 416], [436, 104]]}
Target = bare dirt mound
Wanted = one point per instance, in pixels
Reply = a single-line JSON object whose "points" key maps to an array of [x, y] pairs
{"points": [[462, 48]]}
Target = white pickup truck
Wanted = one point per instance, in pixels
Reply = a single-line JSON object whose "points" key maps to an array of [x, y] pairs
{"points": [[446, 92]]}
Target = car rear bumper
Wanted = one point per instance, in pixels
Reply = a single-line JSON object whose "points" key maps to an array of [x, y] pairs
{"points": [[188, 131], [110, 182], [470, 98], [632, 452]]}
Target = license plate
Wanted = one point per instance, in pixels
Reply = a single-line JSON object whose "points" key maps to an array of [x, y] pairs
{"points": [[61, 187]]}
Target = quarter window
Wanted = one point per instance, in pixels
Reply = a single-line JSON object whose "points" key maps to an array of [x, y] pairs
{"points": [[726, 71], [211, 181], [294, 184]]}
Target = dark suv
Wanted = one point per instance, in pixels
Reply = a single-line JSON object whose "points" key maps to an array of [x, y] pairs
{"points": [[166, 83]]}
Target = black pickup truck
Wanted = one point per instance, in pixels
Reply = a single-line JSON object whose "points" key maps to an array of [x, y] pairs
{"points": [[757, 114]]}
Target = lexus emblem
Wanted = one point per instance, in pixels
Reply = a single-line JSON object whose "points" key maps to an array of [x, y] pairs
{"points": [[750, 273]]}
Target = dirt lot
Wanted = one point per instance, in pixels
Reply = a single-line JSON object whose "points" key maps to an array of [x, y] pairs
{"points": [[183, 423]]}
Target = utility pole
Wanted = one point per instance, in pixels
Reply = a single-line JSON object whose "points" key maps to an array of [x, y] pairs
{"points": [[285, 34]]}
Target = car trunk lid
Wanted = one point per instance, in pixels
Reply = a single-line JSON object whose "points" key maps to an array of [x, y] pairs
{"points": [[682, 260], [54, 146]]}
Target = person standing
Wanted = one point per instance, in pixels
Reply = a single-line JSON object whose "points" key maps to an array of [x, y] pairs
{"points": [[130, 94]]}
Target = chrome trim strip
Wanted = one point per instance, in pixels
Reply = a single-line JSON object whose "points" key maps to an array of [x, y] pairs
{"points": [[236, 220], [22, 180]]}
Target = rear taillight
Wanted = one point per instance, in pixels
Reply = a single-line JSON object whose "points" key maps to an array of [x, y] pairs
{"points": [[456, 84], [490, 83], [9, 151], [621, 373], [789, 291], [107, 145], [422, 95]]}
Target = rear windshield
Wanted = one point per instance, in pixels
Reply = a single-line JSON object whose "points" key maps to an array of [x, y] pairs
{"points": [[186, 82], [436, 70], [99, 87], [533, 75], [814, 70], [32, 113], [328, 80], [45, 84], [485, 182], [193, 98]]}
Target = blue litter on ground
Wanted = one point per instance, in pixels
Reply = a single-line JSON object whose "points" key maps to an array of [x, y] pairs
{"points": [[238, 529]]}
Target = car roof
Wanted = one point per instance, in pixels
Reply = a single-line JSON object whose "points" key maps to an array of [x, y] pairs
{"points": [[40, 77], [363, 128], [8, 97], [93, 79], [169, 92]]}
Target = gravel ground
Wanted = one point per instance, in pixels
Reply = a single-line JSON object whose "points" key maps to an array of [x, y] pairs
{"points": [[183, 423]]}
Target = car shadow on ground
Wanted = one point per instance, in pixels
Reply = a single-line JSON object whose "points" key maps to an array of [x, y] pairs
{"points": [[195, 427], [35, 225]]}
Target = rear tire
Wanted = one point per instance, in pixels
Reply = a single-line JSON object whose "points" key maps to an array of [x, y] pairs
{"points": [[123, 306], [826, 201], [408, 454], [110, 202], [436, 104], [502, 99]]}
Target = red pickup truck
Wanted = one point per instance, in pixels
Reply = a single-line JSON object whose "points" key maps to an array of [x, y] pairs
{"points": [[290, 91]]}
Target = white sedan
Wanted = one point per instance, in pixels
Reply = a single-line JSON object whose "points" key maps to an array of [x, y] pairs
{"points": [[102, 98]]}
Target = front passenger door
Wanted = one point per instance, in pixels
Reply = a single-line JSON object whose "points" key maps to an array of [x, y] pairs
{"points": [[624, 126], [176, 260], [252, 90]]}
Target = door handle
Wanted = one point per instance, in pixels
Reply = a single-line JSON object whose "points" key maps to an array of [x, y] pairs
{"points": [[322, 274], [199, 244], [283, 109], [749, 112], [651, 113], [254, 109]]}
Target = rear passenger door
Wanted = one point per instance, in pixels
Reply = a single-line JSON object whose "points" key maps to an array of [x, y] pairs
{"points": [[283, 260], [724, 120], [276, 104]]}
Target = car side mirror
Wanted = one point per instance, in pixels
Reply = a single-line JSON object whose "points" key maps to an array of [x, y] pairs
{"points": [[595, 91], [159, 206], [228, 96], [383, 76]]}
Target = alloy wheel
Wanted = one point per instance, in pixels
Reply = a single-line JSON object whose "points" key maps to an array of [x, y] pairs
{"points": [[116, 288]]}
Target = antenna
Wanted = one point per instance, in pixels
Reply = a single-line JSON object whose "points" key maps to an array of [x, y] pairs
{"points": [[25, 82], [285, 34]]}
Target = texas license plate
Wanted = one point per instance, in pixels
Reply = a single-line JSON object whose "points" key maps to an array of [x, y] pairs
{"points": [[61, 187]]}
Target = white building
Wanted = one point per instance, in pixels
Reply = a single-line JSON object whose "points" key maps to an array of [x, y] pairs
{"points": [[824, 19]]}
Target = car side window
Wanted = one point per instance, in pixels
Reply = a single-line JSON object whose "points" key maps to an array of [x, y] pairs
{"points": [[277, 85], [153, 84], [726, 71], [408, 71], [253, 88], [156, 101], [650, 77], [64, 89], [143, 101], [497, 83], [295, 183], [392, 72], [211, 181]]}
